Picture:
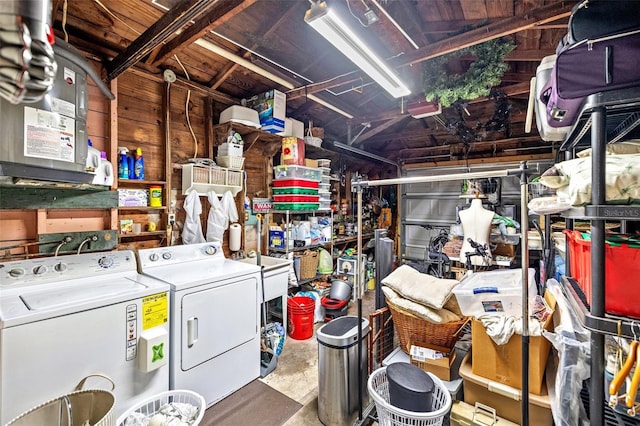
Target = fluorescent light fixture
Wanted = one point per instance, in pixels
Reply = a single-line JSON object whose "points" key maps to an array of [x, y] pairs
{"points": [[331, 27]]}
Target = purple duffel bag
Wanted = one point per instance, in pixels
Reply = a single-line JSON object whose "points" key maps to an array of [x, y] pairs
{"points": [[588, 67]]}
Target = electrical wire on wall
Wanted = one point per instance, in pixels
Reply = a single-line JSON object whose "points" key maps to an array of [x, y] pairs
{"points": [[186, 109], [64, 21]]}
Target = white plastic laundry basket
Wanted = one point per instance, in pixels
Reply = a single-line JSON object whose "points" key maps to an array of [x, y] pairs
{"points": [[389, 415], [151, 406]]}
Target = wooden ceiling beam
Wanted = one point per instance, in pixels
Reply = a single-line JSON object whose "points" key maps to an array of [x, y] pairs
{"points": [[471, 161], [224, 11], [501, 28], [162, 30], [512, 90], [410, 152]]}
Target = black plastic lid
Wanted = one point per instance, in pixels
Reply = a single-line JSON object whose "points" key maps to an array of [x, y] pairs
{"points": [[410, 377]]}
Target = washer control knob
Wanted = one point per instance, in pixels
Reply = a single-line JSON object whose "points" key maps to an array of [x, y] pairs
{"points": [[39, 270], [60, 267], [210, 250], [166, 255], [16, 272], [153, 257]]}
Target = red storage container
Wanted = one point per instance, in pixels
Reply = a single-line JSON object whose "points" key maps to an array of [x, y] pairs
{"points": [[296, 198], [622, 268], [302, 183]]}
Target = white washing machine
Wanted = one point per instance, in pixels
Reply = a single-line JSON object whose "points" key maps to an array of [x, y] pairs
{"points": [[64, 318], [215, 325]]}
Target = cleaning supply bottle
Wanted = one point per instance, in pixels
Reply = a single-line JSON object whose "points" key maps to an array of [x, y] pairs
{"points": [[139, 164], [131, 165], [93, 158], [123, 163], [104, 172]]}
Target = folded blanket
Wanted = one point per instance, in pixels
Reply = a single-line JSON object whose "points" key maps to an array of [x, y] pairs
{"points": [[439, 316], [421, 288]]}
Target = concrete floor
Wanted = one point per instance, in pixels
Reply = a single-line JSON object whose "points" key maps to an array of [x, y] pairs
{"points": [[297, 372]]}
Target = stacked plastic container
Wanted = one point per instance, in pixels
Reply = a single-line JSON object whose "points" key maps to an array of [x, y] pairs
{"points": [[230, 153], [324, 191], [296, 187]]}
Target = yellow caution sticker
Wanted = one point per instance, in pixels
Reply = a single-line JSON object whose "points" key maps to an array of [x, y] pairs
{"points": [[155, 310]]}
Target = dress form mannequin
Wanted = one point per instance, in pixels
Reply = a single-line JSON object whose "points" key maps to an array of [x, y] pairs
{"points": [[476, 224]]}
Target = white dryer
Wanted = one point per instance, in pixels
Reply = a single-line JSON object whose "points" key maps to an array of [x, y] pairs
{"points": [[215, 325], [64, 318]]}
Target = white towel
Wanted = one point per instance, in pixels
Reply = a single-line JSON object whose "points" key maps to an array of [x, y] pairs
{"points": [[192, 231], [501, 327]]}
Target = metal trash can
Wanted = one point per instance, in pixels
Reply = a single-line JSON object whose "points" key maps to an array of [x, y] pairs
{"points": [[338, 369]]}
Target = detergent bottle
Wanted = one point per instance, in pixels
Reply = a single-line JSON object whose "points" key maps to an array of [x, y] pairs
{"points": [[123, 163], [93, 158], [104, 173], [138, 166]]}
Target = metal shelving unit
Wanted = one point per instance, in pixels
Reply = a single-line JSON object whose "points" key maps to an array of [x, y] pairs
{"points": [[606, 118]]}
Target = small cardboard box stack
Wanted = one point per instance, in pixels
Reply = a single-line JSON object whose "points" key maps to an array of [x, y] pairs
{"points": [[272, 109]]}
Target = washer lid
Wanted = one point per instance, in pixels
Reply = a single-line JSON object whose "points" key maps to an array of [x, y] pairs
{"points": [[36, 303], [54, 297]]}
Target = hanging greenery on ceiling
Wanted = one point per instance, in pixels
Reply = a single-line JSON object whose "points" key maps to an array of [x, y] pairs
{"points": [[483, 73]]}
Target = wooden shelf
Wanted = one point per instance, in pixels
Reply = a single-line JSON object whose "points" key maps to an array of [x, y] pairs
{"points": [[142, 235], [142, 208], [140, 183]]}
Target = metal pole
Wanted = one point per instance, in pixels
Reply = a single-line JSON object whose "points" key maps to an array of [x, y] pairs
{"points": [[524, 230], [436, 178], [598, 140], [358, 294]]}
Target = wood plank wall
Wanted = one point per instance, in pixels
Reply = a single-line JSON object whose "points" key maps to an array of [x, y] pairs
{"points": [[140, 123]]}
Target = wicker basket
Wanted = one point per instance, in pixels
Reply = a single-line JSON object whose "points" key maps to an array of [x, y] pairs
{"points": [[236, 163], [412, 329], [234, 178], [309, 264]]}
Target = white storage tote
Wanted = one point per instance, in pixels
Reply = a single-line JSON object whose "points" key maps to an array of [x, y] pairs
{"points": [[498, 292]]}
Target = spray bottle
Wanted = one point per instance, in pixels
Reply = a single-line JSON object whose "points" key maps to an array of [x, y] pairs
{"points": [[139, 164], [123, 163]]}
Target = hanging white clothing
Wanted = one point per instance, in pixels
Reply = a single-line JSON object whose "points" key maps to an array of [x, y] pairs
{"points": [[217, 221], [229, 206], [192, 231]]}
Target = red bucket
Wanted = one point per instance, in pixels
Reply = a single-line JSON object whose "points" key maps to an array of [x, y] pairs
{"points": [[300, 310]]}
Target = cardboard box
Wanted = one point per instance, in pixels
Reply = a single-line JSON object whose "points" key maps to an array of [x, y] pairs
{"points": [[271, 104], [133, 197], [505, 399], [441, 367], [310, 163], [503, 363], [293, 128]]}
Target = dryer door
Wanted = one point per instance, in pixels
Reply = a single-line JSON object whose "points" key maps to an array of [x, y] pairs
{"points": [[217, 319]]}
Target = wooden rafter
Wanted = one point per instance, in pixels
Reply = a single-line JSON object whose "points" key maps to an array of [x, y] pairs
{"points": [[224, 11], [162, 30]]}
